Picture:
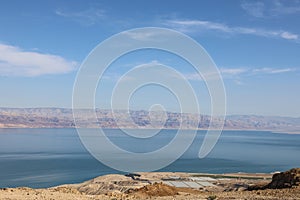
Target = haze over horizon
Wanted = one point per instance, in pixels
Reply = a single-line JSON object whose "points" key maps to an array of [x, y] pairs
{"points": [[255, 45]]}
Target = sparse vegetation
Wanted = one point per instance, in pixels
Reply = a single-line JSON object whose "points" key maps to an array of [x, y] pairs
{"points": [[212, 197]]}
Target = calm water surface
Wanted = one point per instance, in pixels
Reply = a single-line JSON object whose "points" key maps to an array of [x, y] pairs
{"points": [[49, 157]]}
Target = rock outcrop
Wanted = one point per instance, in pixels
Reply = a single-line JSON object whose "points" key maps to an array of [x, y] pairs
{"points": [[285, 179]]}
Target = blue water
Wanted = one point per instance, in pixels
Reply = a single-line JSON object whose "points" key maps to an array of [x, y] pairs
{"points": [[49, 157]]}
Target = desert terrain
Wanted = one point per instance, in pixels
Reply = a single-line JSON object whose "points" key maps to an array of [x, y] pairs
{"points": [[167, 185]]}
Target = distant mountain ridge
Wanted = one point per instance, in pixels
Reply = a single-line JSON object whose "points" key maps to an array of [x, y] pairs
{"points": [[63, 118]]}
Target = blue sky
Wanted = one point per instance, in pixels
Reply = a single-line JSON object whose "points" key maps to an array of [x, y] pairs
{"points": [[255, 44]]}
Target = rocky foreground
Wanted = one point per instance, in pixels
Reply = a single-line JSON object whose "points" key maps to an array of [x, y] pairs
{"points": [[284, 185]]}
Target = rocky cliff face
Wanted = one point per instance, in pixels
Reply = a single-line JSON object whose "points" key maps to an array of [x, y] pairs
{"points": [[285, 179]]}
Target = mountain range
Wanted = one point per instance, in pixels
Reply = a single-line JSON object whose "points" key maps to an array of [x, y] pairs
{"points": [[63, 118]]}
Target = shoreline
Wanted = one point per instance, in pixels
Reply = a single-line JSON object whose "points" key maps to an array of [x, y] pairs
{"points": [[290, 132], [230, 175]]}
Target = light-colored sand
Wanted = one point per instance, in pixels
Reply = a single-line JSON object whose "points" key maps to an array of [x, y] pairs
{"points": [[120, 187], [67, 194]]}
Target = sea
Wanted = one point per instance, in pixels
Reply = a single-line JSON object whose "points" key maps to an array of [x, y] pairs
{"points": [[41, 158]]}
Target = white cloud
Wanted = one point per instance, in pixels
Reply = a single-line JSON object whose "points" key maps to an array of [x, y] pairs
{"points": [[196, 25], [17, 62], [226, 73], [267, 70], [277, 71], [87, 17], [199, 23], [232, 71], [269, 9], [289, 36], [142, 35], [147, 35], [115, 76], [236, 74]]}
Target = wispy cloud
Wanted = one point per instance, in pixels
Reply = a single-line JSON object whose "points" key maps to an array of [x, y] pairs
{"points": [[237, 74], [274, 8], [198, 25], [147, 35], [267, 70], [86, 17], [254, 71], [255, 9], [18, 62], [226, 73], [141, 35], [233, 71], [193, 76], [289, 36], [281, 8]]}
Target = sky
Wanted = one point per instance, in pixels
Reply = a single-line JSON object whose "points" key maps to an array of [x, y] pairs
{"points": [[254, 44]]}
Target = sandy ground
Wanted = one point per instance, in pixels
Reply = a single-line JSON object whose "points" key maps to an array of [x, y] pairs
{"points": [[67, 194], [152, 186]]}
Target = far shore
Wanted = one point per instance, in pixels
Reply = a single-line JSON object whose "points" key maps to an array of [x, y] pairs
{"points": [[296, 132]]}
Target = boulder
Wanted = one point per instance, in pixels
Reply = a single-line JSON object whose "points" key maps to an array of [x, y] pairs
{"points": [[285, 179]]}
